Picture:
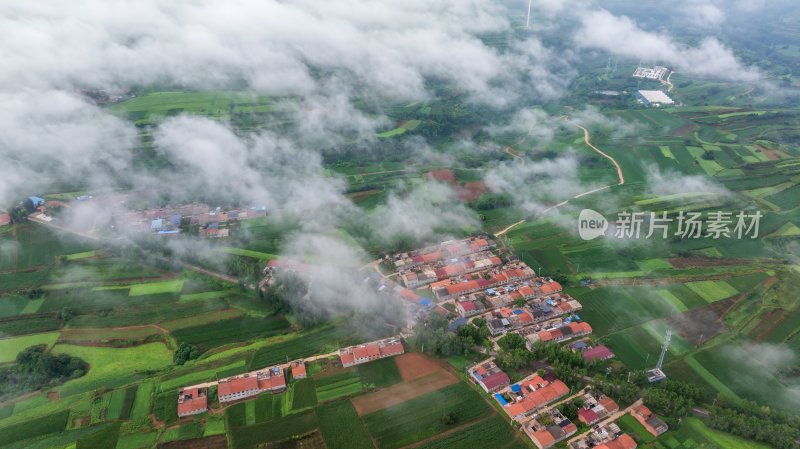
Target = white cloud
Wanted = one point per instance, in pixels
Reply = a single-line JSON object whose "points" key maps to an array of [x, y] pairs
{"points": [[671, 183], [425, 212], [620, 35], [702, 13], [48, 136], [538, 185], [271, 45]]}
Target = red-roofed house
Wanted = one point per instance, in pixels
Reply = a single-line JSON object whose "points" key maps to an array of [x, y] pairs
{"points": [[609, 404], [543, 439], [599, 352], [489, 376], [4, 218], [535, 392], [587, 416], [550, 288], [479, 245], [271, 379], [298, 369], [409, 295], [651, 422], [356, 355], [236, 388], [565, 332], [466, 308], [624, 441], [192, 401], [548, 428], [527, 292]]}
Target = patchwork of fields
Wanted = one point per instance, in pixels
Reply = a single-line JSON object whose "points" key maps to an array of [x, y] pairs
{"points": [[125, 318]]}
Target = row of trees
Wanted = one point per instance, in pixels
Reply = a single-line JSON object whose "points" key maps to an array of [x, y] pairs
{"points": [[778, 435], [749, 420]]}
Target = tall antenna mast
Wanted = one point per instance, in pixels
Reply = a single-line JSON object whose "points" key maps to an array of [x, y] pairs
{"points": [[528, 20], [664, 348]]}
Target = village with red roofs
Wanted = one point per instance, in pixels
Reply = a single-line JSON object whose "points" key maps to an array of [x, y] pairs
{"points": [[464, 281]]}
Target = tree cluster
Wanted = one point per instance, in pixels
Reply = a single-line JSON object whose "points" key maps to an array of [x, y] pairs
{"points": [[567, 365], [434, 336], [36, 368], [781, 431], [489, 201], [184, 353], [513, 354]]}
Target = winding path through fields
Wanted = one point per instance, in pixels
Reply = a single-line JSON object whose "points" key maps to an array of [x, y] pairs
{"points": [[587, 139]]}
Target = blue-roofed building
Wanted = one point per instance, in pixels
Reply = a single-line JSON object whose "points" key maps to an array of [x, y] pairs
{"points": [[175, 219], [516, 388], [37, 201], [500, 399]]}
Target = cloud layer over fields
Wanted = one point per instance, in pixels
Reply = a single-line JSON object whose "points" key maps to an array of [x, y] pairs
{"points": [[620, 35], [324, 54]]}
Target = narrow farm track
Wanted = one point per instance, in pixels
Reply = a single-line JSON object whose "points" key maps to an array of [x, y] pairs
{"points": [[668, 82], [587, 139], [516, 156]]}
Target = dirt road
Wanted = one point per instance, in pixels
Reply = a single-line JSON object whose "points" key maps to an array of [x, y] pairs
{"points": [[587, 140]]}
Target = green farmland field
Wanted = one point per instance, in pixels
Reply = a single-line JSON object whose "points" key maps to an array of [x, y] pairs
{"points": [[420, 418], [248, 253], [155, 288], [712, 291], [137, 441], [380, 373], [202, 296], [341, 428], [112, 367], [610, 309], [304, 394], [30, 324], [198, 374], [693, 434], [35, 427], [266, 408], [250, 437], [710, 378], [10, 347], [493, 432], [36, 246], [338, 385], [219, 333], [630, 425], [143, 400], [315, 341]]}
